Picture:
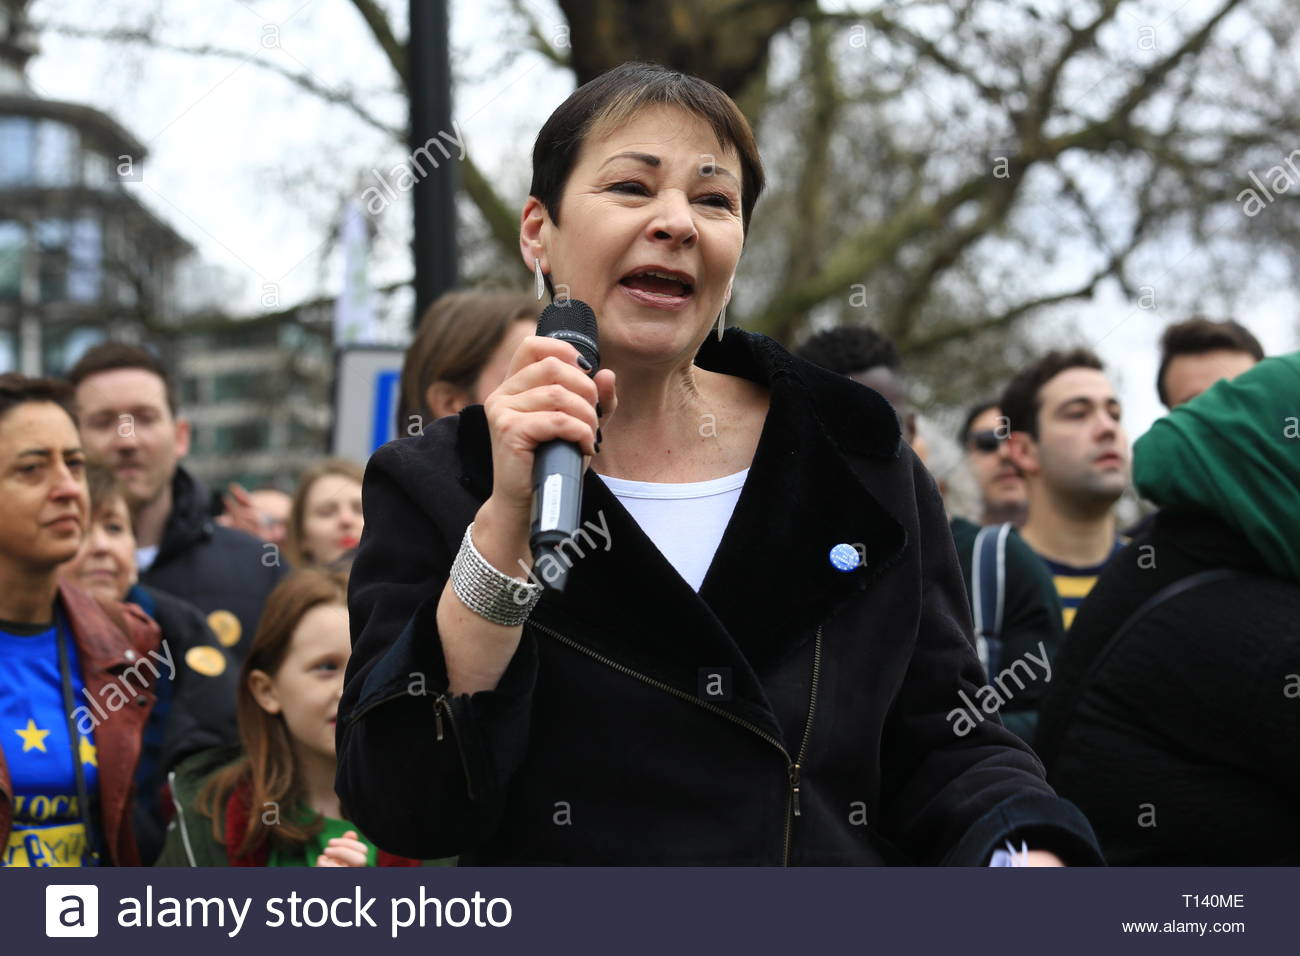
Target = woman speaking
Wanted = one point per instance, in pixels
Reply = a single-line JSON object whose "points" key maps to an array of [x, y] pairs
{"points": [[764, 627]]}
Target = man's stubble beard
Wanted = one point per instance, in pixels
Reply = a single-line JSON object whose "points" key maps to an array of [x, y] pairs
{"points": [[1091, 492], [136, 501]]}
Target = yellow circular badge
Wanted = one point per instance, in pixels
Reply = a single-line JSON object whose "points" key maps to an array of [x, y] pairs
{"points": [[226, 626], [206, 660]]}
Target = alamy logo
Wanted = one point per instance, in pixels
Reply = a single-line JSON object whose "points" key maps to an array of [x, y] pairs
{"points": [[71, 910]]}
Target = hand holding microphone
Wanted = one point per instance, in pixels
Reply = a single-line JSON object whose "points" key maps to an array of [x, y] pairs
{"points": [[543, 419]]}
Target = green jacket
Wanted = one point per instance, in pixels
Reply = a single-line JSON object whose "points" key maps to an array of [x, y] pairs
{"points": [[1234, 451], [190, 841]]}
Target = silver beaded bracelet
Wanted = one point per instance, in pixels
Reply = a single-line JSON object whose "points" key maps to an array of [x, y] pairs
{"points": [[487, 592]]}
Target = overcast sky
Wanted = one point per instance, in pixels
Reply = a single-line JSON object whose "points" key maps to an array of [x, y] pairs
{"points": [[249, 168]]}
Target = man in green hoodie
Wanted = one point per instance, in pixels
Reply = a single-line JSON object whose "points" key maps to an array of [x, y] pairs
{"points": [[1173, 720]]}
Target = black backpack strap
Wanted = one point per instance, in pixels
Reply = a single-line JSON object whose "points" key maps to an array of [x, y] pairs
{"points": [[1047, 746], [87, 800], [989, 592]]}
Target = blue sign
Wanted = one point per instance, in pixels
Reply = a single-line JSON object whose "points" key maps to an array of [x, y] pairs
{"points": [[387, 391]]}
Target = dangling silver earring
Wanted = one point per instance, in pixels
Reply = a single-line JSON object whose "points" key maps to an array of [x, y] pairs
{"points": [[541, 280], [722, 321]]}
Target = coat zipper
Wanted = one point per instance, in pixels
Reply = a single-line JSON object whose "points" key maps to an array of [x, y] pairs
{"points": [[793, 765], [439, 705], [807, 727], [441, 702]]}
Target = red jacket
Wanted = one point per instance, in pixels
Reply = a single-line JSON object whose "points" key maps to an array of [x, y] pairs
{"points": [[111, 642], [237, 811]]}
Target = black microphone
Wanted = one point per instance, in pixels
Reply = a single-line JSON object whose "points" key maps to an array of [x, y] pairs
{"points": [[557, 465]]}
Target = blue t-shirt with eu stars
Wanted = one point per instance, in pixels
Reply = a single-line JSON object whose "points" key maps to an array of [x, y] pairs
{"points": [[48, 829]]}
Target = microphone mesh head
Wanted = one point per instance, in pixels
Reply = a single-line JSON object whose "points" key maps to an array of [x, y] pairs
{"points": [[574, 316], [574, 322]]}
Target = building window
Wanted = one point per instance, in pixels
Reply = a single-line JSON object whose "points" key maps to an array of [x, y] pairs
{"points": [[121, 249], [241, 335], [58, 154], [97, 170], [305, 437], [51, 236], [17, 136], [244, 437], [70, 259], [85, 260], [40, 152], [13, 237], [62, 347], [234, 386]]}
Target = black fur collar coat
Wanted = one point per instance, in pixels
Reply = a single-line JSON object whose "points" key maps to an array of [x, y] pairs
{"points": [[787, 713]]}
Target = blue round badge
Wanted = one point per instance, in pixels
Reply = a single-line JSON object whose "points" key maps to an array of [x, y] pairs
{"points": [[845, 557]]}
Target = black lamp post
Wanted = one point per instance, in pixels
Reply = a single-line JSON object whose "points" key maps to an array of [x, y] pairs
{"points": [[434, 195]]}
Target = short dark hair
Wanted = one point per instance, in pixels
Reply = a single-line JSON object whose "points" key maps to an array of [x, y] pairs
{"points": [[978, 409], [612, 98], [18, 390], [110, 356], [1019, 401], [1199, 335], [847, 349]]}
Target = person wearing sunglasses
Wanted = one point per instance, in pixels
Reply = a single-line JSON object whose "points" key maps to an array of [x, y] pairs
{"points": [[1014, 604], [1001, 486]]}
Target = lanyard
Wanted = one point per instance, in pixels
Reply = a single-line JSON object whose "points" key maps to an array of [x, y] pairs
{"points": [[83, 801]]}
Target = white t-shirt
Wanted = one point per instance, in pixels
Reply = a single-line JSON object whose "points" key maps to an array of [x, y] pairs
{"points": [[684, 520]]}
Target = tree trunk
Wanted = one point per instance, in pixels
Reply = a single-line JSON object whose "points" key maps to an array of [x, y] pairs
{"points": [[722, 41]]}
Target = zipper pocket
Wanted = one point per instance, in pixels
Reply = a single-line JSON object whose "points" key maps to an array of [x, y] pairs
{"points": [[357, 715], [440, 703], [793, 766]]}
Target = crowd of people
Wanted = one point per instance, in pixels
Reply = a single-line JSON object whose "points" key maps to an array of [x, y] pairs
{"points": [[357, 673], [1169, 696], [222, 616]]}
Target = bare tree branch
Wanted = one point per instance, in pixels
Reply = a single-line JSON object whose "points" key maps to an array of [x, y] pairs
{"points": [[875, 245], [502, 220], [993, 210], [955, 332], [884, 176], [534, 31], [891, 28], [339, 97], [1080, 39], [502, 224], [382, 30], [809, 229]]}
